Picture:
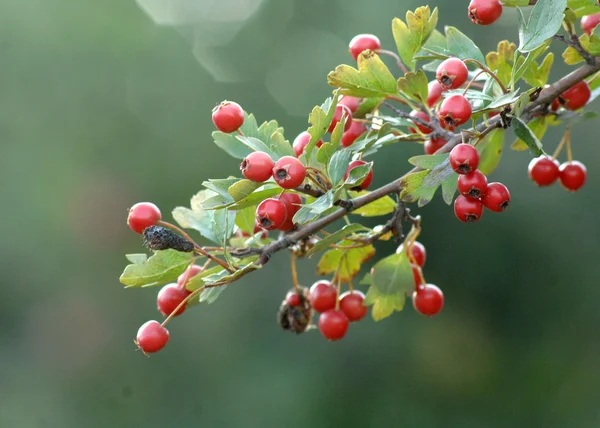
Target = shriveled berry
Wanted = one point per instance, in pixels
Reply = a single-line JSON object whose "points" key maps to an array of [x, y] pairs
{"points": [[352, 134], [473, 184], [333, 324], [434, 93], [293, 299], [228, 116], [341, 110], [152, 337], [143, 215], [455, 110], [189, 273], [301, 141], [351, 304], [352, 103], [464, 158], [484, 12], [423, 116], [368, 179], [169, 297], [289, 172], [589, 22], [576, 97], [467, 210], [572, 175], [543, 170], [428, 300], [257, 166], [433, 145], [496, 198], [452, 73], [271, 214], [361, 43], [323, 296]]}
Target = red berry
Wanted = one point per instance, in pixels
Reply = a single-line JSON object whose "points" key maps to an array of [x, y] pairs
{"points": [[555, 104], [496, 198], [543, 170], [423, 116], [152, 337], [467, 210], [289, 172], [589, 22], [333, 324], [368, 179], [189, 273], [485, 12], [301, 141], [428, 300], [352, 103], [143, 215], [292, 202], [473, 184], [169, 297], [340, 110], [323, 296], [493, 114], [455, 110], [361, 43], [576, 97], [464, 158], [271, 214], [572, 175], [355, 131], [257, 166], [418, 253], [434, 93], [452, 73], [433, 145], [416, 270], [351, 304], [293, 299], [228, 116]]}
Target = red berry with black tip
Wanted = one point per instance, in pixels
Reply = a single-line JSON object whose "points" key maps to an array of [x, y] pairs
{"points": [[484, 12], [352, 134], [473, 184], [455, 110], [497, 197], [543, 170], [361, 43], [301, 141], [257, 166], [341, 110], [143, 215], [428, 300], [351, 304], [434, 93], [433, 145], [228, 116], [589, 22], [271, 214], [169, 297], [333, 324], [423, 116], [352, 103], [572, 175], [152, 337], [323, 296], [289, 172], [452, 73], [368, 179], [464, 158], [576, 97], [468, 210]]}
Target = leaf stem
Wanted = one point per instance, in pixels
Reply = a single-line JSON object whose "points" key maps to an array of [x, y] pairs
{"points": [[488, 71]]}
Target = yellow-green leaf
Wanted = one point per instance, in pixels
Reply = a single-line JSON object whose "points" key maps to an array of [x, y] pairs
{"points": [[414, 86], [490, 151], [413, 34], [162, 267], [345, 263], [538, 126], [501, 61], [379, 207]]}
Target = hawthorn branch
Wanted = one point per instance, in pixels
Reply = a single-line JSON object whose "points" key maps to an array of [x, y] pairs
{"points": [[434, 123], [574, 42]]}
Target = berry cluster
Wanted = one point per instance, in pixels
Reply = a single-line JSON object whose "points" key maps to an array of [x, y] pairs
{"points": [[545, 170], [475, 191]]}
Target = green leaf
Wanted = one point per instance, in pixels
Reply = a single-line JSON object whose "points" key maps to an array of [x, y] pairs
{"points": [[391, 280], [428, 161], [544, 22], [410, 184], [211, 294], [449, 189], [538, 126], [522, 65], [320, 118], [379, 207], [325, 152], [461, 46], [436, 44], [137, 259], [513, 3], [414, 86], [221, 186], [537, 75], [335, 237], [311, 211], [372, 79], [357, 175], [583, 7], [255, 198], [338, 164], [438, 174], [590, 43], [367, 106], [242, 189], [413, 34], [524, 133], [197, 281], [245, 218], [162, 267], [501, 61], [490, 151], [503, 100], [345, 264]]}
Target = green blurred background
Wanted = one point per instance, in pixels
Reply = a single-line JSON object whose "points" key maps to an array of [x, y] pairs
{"points": [[107, 103]]}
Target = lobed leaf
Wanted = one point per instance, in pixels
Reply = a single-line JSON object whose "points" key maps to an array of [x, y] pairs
{"points": [[414, 86], [412, 35], [162, 267], [346, 264], [460, 46], [335, 237], [543, 23], [379, 207]]}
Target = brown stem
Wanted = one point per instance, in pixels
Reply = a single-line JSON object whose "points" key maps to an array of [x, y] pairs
{"points": [[401, 65], [574, 42], [490, 72]]}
